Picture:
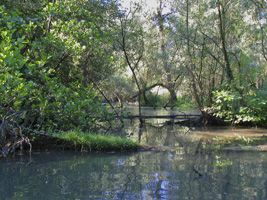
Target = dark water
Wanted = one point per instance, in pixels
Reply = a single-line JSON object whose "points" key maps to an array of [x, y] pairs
{"points": [[178, 172]]}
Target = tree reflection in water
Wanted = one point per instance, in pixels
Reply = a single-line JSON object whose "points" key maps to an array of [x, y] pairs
{"points": [[180, 171]]}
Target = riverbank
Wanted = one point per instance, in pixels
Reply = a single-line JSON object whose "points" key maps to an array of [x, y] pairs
{"points": [[239, 143], [205, 141], [80, 141]]}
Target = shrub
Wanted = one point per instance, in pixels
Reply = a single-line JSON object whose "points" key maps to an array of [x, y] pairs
{"points": [[237, 108]]}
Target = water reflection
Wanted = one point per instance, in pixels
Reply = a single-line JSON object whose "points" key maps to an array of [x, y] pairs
{"points": [[169, 136], [180, 171], [144, 175]]}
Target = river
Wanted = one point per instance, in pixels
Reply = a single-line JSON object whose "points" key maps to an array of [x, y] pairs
{"points": [[178, 171]]}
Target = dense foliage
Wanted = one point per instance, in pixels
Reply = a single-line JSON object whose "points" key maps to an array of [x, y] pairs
{"points": [[236, 107], [45, 72], [59, 60], [213, 51]]}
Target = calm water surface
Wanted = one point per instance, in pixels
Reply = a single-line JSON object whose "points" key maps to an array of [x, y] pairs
{"points": [[178, 172], [145, 175]]}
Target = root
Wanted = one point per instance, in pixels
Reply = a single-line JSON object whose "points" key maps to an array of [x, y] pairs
{"points": [[11, 134]]}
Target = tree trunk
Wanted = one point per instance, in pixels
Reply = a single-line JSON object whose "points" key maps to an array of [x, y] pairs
{"points": [[132, 67], [221, 16], [190, 64], [173, 97], [146, 101], [163, 43]]}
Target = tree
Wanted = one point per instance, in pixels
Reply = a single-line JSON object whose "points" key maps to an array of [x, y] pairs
{"points": [[49, 65], [132, 46]]}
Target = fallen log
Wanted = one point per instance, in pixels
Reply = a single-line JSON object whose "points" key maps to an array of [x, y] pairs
{"points": [[178, 116]]}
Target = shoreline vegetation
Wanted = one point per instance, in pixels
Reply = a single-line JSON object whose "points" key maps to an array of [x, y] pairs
{"points": [[94, 142], [90, 142], [84, 142]]}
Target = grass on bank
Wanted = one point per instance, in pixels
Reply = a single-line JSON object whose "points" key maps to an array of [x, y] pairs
{"points": [[95, 142]]}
